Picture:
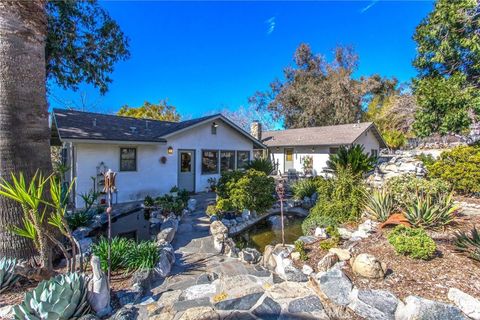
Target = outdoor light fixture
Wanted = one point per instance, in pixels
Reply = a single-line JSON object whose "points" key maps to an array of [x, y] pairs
{"points": [[170, 150], [214, 125], [313, 149]]}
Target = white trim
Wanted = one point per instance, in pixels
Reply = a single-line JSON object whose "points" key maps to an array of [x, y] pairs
{"points": [[121, 142]]}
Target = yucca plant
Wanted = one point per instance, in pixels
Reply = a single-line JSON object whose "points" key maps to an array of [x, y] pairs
{"points": [[379, 205], [62, 297], [353, 157], [144, 256], [469, 244], [264, 165], [8, 277], [422, 212]]}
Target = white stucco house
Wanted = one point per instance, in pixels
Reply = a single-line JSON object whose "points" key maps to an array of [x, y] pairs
{"points": [[289, 148], [149, 156]]}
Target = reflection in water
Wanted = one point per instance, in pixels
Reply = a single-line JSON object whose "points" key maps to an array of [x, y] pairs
{"points": [[269, 231]]}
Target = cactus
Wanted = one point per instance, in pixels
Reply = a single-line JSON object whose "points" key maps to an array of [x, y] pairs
{"points": [[7, 273], [62, 297]]}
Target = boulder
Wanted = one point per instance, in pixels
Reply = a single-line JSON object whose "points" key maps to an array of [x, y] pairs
{"points": [[345, 234], [268, 309], [250, 255], [242, 303], [321, 233], [246, 215], [165, 261], [169, 223], [367, 266], [155, 220], [373, 304], [200, 313], [81, 232], [307, 239], [420, 308], [343, 254], [307, 270], [192, 204], [219, 233], [98, 289], [166, 235], [295, 256], [141, 280], [335, 285], [290, 273], [268, 261], [465, 302], [327, 262], [125, 313]]}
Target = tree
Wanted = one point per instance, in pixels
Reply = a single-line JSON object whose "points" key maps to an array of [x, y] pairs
{"points": [[448, 62], [83, 44], [24, 131], [316, 92], [160, 111], [243, 117]]}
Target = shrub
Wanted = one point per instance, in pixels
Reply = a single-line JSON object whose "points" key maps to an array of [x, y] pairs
{"points": [[424, 212], [341, 199], [264, 165], [119, 250], [379, 205], [405, 188], [78, 219], [8, 277], [184, 195], [306, 187], [427, 159], [253, 191], [148, 201], [300, 248], [327, 244], [143, 256], [227, 179], [469, 244], [212, 210], [225, 205], [413, 242], [354, 158], [460, 167], [394, 139]]}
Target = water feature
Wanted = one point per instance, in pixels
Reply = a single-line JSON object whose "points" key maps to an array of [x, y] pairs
{"points": [[133, 225], [268, 231]]}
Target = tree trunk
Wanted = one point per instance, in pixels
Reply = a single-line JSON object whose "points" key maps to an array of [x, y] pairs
{"points": [[24, 130]]}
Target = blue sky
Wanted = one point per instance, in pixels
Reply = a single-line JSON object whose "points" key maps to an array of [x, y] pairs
{"points": [[206, 56]]}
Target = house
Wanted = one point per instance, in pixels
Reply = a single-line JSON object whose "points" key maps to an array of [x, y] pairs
{"points": [[289, 148], [149, 156]]}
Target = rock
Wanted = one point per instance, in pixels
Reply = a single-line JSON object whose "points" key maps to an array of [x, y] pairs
{"points": [[200, 313], [207, 278], [465, 302], [307, 239], [268, 261], [373, 304], [86, 245], [81, 232], [155, 221], [268, 309], [343, 254], [199, 291], [6, 312], [98, 289], [168, 298], [293, 274], [169, 223], [288, 290], [359, 234], [192, 204], [238, 315], [166, 235], [219, 233], [345, 234], [367, 266], [239, 219], [295, 256], [420, 308], [141, 279], [327, 262], [125, 313], [87, 317], [335, 285], [307, 270], [321, 233], [250, 255], [307, 304], [246, 215], [243, 303], [165, 261]]}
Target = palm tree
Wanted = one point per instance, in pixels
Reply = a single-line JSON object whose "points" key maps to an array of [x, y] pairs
{"points": [[24, 131]]}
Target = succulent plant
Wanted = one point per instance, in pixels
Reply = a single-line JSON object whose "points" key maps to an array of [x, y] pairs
{"points": [[62, 297], [379, 205], [7, 273], [469, 244]]}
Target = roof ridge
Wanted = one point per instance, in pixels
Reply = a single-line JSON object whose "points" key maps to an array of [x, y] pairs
{"points": [[333, 125], [113, 115]]}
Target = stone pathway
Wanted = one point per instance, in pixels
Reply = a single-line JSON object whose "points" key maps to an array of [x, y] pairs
{"points": [[206, 285]]}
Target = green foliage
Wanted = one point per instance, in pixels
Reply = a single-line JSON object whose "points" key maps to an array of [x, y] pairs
{"points": [[61, 297], [225, 205], [300, 248], [352, 157], [8, 276], [143, 255], [253, 191], [264, 165], [184, 195], [327, 244], [83, 44], [89, 199], [226, 181], [160, 111], [379, 204], [469, 244], [394, 139], [413, 242], [341, 199], [426, 212], [170, 204], [427, 159], [306, 187], [78, 219], [212, 210], [459, 167], [404, 189], [120, 248], [148, 201]]}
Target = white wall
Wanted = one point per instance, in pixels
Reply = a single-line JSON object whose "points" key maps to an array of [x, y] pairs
{"points": [[152, 177], [369, 141]]}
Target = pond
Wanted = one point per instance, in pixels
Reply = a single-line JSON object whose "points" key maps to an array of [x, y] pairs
{"points": [[132, 225], [268, 231]]}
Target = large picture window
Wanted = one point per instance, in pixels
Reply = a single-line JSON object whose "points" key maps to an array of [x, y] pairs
{"points": [[209, 161], [128, 159], [227, 161], [243, 158]]}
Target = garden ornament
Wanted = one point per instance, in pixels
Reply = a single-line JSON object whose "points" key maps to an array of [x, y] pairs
{"points": [[280, 189], [99, 289], [109, 188]]}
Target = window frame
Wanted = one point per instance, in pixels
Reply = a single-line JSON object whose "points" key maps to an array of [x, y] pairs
{"points": [[217, 162], [234, 160], [121, 169], [237, 155]]}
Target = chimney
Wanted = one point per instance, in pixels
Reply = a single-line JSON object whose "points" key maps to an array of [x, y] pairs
{"points": [[256, 129]]}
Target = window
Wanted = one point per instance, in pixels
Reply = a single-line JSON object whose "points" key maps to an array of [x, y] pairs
{"points": [[227, 161], [243, 157], [333, 150], [128, 159], [374, 152], [185, 162], [209, 161]]}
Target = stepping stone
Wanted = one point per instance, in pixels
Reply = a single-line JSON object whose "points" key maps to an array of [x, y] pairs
{"points": [[268, 309], [188, 304], [242, 303], [307, 304]]}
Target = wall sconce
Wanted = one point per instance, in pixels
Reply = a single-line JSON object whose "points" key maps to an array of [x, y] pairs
{"points": [[277, 149], [313, 149], [170, 150], [215, 125], [214, 128]]}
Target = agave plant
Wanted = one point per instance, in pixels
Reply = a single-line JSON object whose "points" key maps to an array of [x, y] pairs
{"points": [[8, 277], [61, 297], [379, 205], [423, 212], [353, 157], [469, 244]]}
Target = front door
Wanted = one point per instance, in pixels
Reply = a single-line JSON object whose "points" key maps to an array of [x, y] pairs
{"points": [[288, 159], [186, 170]]}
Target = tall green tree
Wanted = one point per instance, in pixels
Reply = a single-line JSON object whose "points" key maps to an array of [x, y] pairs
{"points": [[159, 111], [316, 92], [448, 63]]}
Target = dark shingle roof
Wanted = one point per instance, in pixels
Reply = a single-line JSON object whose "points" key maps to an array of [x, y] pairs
{"points": [[327, 136], [72, 124]]}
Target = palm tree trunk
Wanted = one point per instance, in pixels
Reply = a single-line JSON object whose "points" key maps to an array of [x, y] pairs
{"points": [[24, 131]]}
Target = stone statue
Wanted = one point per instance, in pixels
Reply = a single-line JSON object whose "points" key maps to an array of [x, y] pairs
{"points": [[99, 289]]}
